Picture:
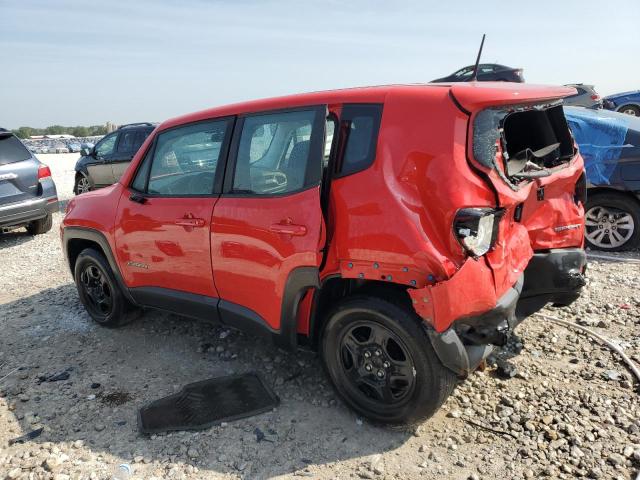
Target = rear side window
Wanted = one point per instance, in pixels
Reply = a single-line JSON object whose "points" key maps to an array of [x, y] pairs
{"points": [[276, 153], [12, 150], [131, 141], [126, 142], [359, 126], [184, 160]]}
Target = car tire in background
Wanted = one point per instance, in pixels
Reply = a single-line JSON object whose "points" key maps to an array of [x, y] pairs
{"points": [[40, 226], [381, 361], [82, 184], [99, 291], [612, 221], [630, 110]]}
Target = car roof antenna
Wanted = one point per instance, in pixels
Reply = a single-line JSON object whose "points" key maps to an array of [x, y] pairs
{"points": [[474, 77]]}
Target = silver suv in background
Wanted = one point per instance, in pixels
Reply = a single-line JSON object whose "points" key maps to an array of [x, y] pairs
{"points": [[28, 196], [586, 96]]}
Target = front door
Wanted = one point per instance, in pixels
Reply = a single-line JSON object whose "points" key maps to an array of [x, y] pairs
{"points": [[267, 225], [164, 215], [99, 167]]}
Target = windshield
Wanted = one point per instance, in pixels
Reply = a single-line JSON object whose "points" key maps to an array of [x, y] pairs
{"points": [[12, 150]]}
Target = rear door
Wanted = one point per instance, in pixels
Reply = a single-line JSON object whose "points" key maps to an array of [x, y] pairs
{"points": [[164, 215], [267, 226], [18, 170], [128, 144], [100, 167]]}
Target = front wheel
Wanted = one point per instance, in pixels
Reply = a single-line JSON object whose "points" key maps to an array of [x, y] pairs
{"points": [[82, 185], [612, 222], [381, 361], [99, 291]]}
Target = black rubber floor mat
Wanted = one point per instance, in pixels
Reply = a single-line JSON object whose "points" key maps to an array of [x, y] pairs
{"points": [[209, 402]]}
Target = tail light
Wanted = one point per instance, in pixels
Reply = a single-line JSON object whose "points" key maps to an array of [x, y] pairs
{"points": [[43, 171], [476, 229], [580, 195], [595, 97]]}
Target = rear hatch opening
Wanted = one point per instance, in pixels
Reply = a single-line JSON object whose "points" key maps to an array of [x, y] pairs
{"points": [[523, 142]]}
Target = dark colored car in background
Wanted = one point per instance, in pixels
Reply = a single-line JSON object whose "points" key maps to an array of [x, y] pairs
{"points": [[28, 196], [105, 163], [487, 72], [610, 145], [586, 96], [626, 102]]}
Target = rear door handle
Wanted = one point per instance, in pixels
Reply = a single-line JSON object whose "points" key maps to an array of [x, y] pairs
{"points": [[289, 229]]}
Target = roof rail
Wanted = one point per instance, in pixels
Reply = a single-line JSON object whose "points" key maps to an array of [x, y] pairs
{"points": [[138, 124]]}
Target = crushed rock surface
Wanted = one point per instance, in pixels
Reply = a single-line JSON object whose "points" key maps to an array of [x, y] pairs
{"points": [[570, 411]]}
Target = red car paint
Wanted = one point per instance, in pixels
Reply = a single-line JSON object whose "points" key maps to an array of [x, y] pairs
{"points": [[391, 222]]}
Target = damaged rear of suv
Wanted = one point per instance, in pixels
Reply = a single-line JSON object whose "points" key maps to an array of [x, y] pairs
{"points": [[401, 231], [531, 238]]}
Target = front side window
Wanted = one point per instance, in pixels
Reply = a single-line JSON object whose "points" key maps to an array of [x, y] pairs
{"points": [[106, 145], [184, 160], [274, 153]]}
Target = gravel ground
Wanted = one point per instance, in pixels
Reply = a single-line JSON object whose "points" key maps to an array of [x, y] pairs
{"points": [[571, 409]]}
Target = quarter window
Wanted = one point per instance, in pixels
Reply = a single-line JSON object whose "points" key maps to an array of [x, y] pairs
{"points": [[185, 160], [360, 125], [275, 154]]}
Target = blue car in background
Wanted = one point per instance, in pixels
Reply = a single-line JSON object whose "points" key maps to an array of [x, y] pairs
{"points": [[609, 142], [627, 102]]}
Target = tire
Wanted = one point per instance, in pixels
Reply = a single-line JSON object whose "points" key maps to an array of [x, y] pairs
{"points": [[612, 222], [99, 291], [630, 110], [40, 226], [82, 184], [412, 389]]}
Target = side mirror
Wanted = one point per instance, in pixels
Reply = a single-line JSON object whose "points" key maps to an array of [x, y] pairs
{"points": [[86, 151]]}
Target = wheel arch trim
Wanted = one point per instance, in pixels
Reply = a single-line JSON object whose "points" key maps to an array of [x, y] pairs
{"points": [[88, 234]]}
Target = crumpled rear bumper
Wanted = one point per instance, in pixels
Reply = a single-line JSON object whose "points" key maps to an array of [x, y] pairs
{"points": [[554, 276]]}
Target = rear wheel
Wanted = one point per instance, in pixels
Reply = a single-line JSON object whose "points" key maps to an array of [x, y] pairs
{"points": [[381, 361], [82, 184], [612, 222], [40, 226], [630, 110], [99, 292]]}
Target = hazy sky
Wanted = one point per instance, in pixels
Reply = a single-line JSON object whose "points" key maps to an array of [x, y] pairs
{"points": [[77, 63]]}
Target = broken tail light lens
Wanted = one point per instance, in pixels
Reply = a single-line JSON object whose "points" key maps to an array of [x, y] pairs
{"points": [[476, 229], [43, 171]]}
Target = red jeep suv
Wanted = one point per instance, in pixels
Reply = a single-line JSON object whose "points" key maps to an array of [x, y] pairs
{"points": [[399, 230]]}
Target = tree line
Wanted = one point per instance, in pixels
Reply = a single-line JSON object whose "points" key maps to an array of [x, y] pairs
{"points": [[26, 132]]}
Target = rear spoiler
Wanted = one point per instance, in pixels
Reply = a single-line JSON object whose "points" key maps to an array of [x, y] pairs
{"points": [[474, 96]]}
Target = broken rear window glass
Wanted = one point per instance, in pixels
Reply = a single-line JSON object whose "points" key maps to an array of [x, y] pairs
{"points": [[532, 139]]}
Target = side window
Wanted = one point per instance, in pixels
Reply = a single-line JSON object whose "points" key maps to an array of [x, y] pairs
{"points": [[184, 161], [106, 145], [464, 72], [126, 142], [360, 125], [139, 139], [274, 153]]}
